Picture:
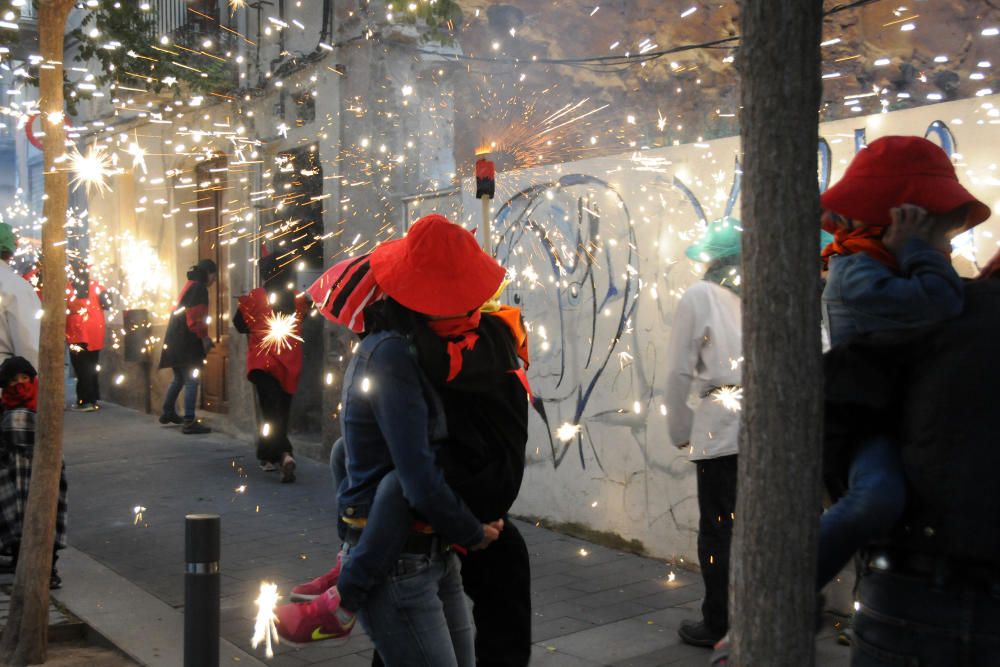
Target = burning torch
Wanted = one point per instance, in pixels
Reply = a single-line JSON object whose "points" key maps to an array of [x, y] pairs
{"points": [[485, 189]]}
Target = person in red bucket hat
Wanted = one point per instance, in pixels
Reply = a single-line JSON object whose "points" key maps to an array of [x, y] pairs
{"points": [[428, 349], [893, 216]]}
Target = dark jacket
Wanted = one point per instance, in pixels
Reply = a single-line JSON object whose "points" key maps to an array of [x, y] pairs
{"points": [[188, 325], [936, 391], [486, 410]]}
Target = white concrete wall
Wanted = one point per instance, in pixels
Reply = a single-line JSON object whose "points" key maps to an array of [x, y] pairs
{"points": [[622, 475]]}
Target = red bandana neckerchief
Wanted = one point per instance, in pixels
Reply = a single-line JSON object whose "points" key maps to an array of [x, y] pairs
{"points": [[21, 395], [860, 239], [460, 334]]}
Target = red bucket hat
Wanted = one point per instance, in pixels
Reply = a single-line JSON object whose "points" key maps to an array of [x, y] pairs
{"points": [[893, 171], [437, 269]]}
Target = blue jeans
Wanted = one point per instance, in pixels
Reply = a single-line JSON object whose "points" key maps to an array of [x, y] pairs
{"points": [[873, 504], [418, 616], [906, 621], [183, 377]]}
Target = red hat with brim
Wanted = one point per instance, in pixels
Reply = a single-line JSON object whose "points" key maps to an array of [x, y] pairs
{"points": [[893, 171], [437, 269]]}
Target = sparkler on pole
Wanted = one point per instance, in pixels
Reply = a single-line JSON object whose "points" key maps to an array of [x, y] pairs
{"points": [[485, 190]]}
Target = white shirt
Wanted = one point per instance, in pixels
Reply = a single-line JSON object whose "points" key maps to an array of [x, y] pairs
{"points": [[705, 353], [19, 323]]}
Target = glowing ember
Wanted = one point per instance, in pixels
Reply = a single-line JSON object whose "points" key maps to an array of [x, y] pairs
{"points": [[138, 510], [91, 170], [567, 431], [281, 330], [264, 629], [731, 398]]}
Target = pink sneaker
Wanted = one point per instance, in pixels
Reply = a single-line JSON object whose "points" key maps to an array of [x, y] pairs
{"points": [[318, 586], [307, 622]]}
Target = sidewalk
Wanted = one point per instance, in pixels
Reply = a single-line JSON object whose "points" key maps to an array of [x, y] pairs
{"points": [[592, 605]]}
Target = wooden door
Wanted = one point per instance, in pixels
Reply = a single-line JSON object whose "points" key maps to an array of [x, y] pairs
{"points": [[210, 194]]}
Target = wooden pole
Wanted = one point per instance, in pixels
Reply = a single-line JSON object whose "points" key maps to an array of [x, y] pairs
{"points": [[773, 577], [25, 636]]}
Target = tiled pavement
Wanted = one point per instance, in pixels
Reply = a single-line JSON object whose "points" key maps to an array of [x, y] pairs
{"points": [[602, 608]]}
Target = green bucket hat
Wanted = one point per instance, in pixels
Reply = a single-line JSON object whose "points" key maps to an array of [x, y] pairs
{"points": [[8, 241], [721, 239]]}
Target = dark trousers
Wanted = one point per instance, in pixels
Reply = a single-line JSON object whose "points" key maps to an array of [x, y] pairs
{"points": [[85, 362], [911, 620], [498, 579], [717, 504], [275, 408]]}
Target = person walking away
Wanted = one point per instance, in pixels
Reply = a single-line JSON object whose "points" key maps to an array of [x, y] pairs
{"points": [[86, 301], [185, 346], [704, 354], [20, 307], [19, 384], [274, 364], [893, 215]]}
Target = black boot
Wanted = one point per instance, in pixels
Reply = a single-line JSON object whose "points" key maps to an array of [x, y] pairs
{"points": [[696, 633]]}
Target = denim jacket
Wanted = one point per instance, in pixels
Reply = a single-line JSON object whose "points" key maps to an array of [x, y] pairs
{"points": [[864, 296], [391, 414]]}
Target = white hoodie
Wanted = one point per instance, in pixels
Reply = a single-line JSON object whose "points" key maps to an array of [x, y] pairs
{"points": [[19, 323], [705, 352]]}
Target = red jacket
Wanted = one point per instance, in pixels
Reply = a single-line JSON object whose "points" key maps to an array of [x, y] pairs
{"points": [[282, 360], [85, 317]]}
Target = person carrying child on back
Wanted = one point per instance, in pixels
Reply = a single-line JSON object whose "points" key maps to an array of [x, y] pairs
{"points": [[893, 215], [464, 352], [19, 383]]}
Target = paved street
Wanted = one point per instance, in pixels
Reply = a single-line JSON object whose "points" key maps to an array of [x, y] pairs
{"points": [[592, 605]]}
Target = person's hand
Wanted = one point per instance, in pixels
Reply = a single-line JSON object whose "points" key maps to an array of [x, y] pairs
{"points": [[908, 222], [491, 532], [208, 344]]}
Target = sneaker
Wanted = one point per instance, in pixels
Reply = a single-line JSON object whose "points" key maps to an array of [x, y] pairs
{"points": [[267, 466], [720, 653], [287, 469], [319, 585], [307, 622], [55, 582], [171, 419], [699, 634], [194, 428], [85, 407]]}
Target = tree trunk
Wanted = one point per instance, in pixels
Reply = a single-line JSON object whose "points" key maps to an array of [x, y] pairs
{"points": [[26, 634], [772, 590]]}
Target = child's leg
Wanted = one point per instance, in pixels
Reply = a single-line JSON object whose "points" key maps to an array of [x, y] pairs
{"points": [[372, 559], [874, 502]]}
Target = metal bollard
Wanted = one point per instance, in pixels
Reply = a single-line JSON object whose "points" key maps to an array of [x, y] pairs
{"points": [[201, 590]]}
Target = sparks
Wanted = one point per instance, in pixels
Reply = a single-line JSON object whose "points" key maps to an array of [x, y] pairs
{"points": [[567, 431], [138, 154], [264, 629], [235, 5], [729, 397], [137, 511], [280, 328], [91, 170]]}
